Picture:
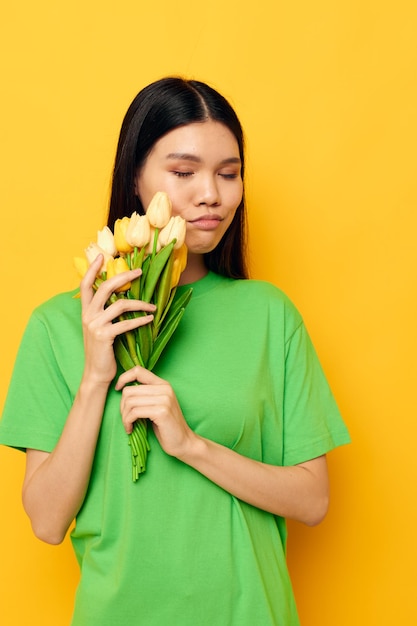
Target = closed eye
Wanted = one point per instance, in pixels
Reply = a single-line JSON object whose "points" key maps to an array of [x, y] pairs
{"points": [[182, 174], [229, 176]]}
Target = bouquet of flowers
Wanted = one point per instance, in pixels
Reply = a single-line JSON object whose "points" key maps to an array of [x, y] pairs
{"points": [[155, 243]]}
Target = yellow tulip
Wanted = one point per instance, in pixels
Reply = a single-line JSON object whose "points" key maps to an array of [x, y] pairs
{"points": [[159, 210], [120, 228], [181, 255], [81, 265], [179, 265], [105, 239], [138, 232], [118, 266], [175, 229], [92, 253]]}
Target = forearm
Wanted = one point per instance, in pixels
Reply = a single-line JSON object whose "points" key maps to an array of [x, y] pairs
{"points": [[55, 484], [298, 492]]}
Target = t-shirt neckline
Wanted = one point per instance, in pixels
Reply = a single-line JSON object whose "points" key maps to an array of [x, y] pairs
{"points": [[201, 286]]}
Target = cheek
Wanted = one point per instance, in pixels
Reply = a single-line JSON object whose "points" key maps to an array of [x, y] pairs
{"points": [[143, 191], [150, 181], [235, 199], [179, 198], [235, 192]]}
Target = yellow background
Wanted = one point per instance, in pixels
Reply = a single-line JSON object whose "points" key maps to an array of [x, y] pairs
{"points": [[327, 94]]}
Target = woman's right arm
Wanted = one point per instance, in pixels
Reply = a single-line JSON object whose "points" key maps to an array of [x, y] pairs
{"points": [[55, 483]]}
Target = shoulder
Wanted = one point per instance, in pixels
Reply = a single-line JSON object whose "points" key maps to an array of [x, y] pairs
{"points": [[261, 288], [60, 309], [265, 294], [54, 330], [264, 300], [58, 302]]}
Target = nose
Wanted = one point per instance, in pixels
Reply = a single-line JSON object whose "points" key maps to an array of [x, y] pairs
{"points": [[208, 192]]}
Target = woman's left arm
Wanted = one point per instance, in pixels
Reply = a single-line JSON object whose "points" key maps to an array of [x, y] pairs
{"points": [[299, 492]]}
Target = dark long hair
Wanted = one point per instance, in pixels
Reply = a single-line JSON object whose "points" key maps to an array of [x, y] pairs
{"points": [[159, 108]]}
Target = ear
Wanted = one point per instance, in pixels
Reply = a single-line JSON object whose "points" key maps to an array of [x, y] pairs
{"points": [[136, 186]]}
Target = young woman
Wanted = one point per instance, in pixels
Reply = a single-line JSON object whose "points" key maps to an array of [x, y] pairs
{"points": [[241, 414]]}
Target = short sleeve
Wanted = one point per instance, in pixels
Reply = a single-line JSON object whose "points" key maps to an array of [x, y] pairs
{"points": [[312, 421], [38, 399]]}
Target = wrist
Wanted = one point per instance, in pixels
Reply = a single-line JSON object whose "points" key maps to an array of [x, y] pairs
{"points": [[91, 383], [195, 452]]}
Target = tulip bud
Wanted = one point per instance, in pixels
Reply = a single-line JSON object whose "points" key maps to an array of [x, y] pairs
{"points": [[175, 229], [92, 253], [159, 210], [81, 265], [138, 232], [117, 266], [180, 255], [120, 228], [179, 265], [105, 239]]}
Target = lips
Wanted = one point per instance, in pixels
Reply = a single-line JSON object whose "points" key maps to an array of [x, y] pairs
{"points": [[206, 222], [207, 218]]}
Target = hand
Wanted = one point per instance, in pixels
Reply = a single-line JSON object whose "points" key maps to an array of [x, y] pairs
{"points": [[99, 327], [155, 400]]}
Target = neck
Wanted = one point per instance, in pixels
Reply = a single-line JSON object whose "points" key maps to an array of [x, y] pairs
{"points": [[195, 269]]}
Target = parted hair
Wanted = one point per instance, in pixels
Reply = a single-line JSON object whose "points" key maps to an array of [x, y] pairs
{"points": [[157, 109]]}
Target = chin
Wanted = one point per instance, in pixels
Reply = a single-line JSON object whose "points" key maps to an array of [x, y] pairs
{"points": [[202, 247]]}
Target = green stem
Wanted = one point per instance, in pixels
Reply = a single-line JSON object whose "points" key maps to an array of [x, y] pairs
{"points": [[155, 242], [139, 448], [131, 346]]}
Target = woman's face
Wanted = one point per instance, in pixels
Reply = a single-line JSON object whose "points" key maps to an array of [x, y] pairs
{"points": [[199, 167]]}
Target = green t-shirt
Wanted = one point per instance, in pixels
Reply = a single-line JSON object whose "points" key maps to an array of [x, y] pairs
{"points": [[174, 548]]}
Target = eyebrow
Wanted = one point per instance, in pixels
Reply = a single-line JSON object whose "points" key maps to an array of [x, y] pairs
{"points": [[184, 156]]}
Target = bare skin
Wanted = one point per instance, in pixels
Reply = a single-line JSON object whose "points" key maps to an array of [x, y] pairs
{"points": [[299, 492], [52, 495], [198, 165]]}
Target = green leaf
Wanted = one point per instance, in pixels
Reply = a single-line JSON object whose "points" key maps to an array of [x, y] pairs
{"points": [[159, 322], [177, 303], [145, 268], [156, 266], [163, 291], [145, 342], [134, 290], [136, 263], [122, 354], [131, 347], [163, 338]]}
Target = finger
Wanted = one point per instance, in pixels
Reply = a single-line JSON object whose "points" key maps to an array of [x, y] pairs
{"points": [[151, 408], [105, 329], [108, 287], [138, 374], [159, 396], [86, 285], [118, 328], [125, 305]]}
